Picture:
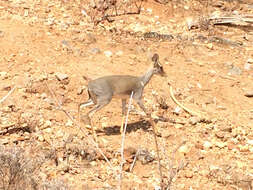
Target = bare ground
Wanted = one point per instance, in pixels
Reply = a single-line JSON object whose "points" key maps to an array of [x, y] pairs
{"points": [[40, 40]]}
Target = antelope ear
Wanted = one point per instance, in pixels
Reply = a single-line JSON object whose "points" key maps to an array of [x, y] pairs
{"points": [[155, 57]]}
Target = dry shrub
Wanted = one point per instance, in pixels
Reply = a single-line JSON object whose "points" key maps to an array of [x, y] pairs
{"points": [[21, 172], [16, 171]]}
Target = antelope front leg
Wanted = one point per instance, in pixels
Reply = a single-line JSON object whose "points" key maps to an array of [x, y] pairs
{"points": [[140, 103]]}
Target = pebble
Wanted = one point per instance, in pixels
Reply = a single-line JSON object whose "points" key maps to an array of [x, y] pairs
{"points": [[247, 66], [235, 70], [61, 76], [221, 144], [184, 149], [207, 145], [47, 123], [95, 50], [243, 148], [108, 53], [177, 110], [194, 120], [188, 174], [3, 75], [250, 60], [41, 138], [220, 134], [209, 46], [250, 142], [69, 123], [178, 126], [249, 94]]}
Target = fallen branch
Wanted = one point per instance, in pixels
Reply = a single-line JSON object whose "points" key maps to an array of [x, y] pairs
{"points": [[7, 95], [193, 113], [237, 20]]}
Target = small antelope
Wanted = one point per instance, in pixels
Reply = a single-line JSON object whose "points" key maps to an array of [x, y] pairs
{"points": [[102, 90]]}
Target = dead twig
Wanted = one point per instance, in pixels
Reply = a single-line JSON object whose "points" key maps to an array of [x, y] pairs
{"points": [[7, 95], [193, 113], [157, 150], [174, 172], [123, 142], [237, 20], [134, 161], [58, 102]]}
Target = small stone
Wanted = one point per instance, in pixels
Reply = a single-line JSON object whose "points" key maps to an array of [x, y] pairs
{"points": [[3, 75], [177, 110], [244, 148], [207, 145], [249, 94], [250, 142], [221, 144], [108, 53], [43, 95], [209, 46], [188, 174], [184, 149], [247, 66], [145, 156], [178, 126], [47, 124], [48, 130], [61, 76], [250, 61], [149, 10], [69, 123], [194, 120], [220, 134], [235, 70], [95, 50], [41, 138]]}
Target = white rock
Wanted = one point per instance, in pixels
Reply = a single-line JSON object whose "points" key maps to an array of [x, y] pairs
{"points": [[221, 144], [61, 76], [108, 53], [47, 123], [184, 149], [250, 142], [69, 123], [177, 110], [250, 60], [247, 66], [207, 144]]}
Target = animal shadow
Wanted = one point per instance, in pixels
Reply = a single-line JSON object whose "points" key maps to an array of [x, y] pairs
{"points": [[115, 130]]}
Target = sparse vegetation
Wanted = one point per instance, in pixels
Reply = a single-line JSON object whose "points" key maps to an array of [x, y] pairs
{"points": [[49, 52]]}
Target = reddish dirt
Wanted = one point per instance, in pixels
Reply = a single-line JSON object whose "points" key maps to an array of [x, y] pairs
{"points": [[217, 153]]}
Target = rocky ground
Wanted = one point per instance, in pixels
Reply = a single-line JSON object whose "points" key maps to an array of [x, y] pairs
{"points": [[49, 51]]}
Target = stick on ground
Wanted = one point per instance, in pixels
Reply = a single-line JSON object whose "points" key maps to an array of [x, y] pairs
{"points": [[193, 113], [6, 96]]}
